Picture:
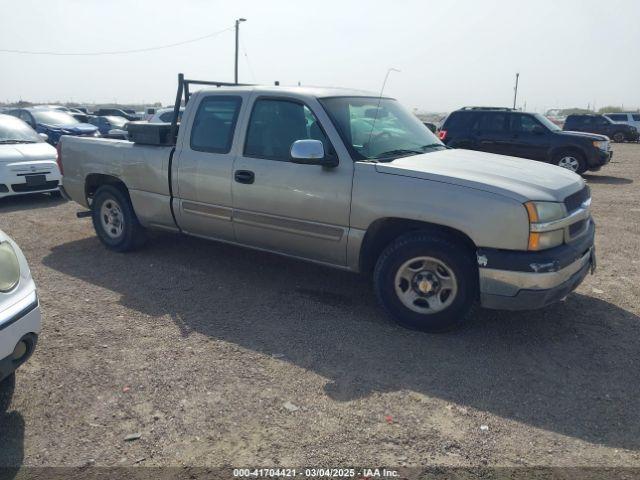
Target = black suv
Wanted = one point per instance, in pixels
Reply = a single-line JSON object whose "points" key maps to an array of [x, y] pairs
{"points": [[528, 135], [618, 132]]}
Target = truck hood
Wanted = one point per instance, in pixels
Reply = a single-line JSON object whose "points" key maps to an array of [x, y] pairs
{"points": [[18, 152], [590, 136], [516, 178]]}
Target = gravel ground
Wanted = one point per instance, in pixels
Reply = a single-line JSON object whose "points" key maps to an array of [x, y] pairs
{"points": [[216, 355]]}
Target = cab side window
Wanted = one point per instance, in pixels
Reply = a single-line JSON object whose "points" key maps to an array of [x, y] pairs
{"points": [[492, 122], [215, 123], [276, 124], [523, 123]]}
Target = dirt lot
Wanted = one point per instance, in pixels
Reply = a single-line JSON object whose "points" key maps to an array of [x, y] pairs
{"points": [[198, 346]]}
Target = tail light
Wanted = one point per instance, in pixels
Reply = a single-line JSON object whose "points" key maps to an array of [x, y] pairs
{"points": [[442, 135], [59, 157]]}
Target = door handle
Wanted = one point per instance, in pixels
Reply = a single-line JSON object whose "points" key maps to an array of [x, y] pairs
{"points": [[244, 176]]}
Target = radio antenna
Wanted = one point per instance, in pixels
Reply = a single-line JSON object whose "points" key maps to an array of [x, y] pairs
{"points": [[375, 118]]}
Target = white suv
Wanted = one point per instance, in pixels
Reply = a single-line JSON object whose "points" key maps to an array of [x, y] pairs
{"points": [[630, 118], [20, 318]]}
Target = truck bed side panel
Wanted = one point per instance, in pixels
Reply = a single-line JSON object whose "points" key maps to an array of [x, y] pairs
{"points": [[142, 168]]}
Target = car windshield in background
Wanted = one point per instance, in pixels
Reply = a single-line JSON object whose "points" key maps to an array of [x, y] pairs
{"points": [[53, 117], [546, 122], [13, 130], [117, 121], [380, 129]]}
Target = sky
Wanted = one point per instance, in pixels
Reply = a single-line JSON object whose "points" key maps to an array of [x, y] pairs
{"points": [[450, 53]]}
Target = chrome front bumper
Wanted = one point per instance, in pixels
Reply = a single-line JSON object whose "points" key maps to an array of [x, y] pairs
{"points": [[514, 290]]}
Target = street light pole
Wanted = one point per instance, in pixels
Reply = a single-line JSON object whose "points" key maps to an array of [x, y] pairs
{"points": [[237, 45], [515, 95]]}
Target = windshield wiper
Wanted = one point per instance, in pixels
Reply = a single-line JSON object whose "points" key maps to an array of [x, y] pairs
{"points": [[17, 141], [401, 152], [433, 145]]}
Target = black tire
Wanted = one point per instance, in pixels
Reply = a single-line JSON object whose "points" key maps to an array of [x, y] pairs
{"points": [[131, 235], [618, 137], [7, 386], [455, 256], [560, 159]]}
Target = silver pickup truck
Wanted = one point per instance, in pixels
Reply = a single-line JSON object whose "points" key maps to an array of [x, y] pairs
{"points": [[351, 180]]}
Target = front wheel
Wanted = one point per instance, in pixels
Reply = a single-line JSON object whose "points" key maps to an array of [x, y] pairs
{"points": [[115, 221], [618, 137], [571, 161], [427, 282]]}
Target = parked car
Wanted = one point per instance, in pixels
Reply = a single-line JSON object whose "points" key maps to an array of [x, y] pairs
{"points": [[116, 112], [348, 180], [165, 115], [108, 123], [20, 318], [62, 108], [27, 162], [81, 117], [54, 123], [526, 135], [629, 118], [600, 124]]}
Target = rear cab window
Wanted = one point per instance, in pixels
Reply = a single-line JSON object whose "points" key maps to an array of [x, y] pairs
{"points": [[214, 123]]}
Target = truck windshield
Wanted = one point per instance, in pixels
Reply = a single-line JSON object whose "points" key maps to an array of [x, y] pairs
{"points": [[379, 129]]}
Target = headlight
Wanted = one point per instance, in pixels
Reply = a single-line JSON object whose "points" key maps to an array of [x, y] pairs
{"points": [[9, 267], [540, 212], [96, 133], [543, 212], [602, 144]]}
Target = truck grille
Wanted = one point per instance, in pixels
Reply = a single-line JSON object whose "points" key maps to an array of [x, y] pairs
{"points": [[575, 200]]}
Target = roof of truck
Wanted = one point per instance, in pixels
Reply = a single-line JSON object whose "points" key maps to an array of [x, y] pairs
{"points": [[318, 92]]}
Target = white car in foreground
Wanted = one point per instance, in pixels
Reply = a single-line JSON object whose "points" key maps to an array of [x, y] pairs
{"points": [[27, 162], [20, 318]]}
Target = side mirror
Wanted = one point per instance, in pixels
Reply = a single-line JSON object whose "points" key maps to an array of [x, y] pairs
{"points": [[538, 130], [43, 136], [310, 152]]}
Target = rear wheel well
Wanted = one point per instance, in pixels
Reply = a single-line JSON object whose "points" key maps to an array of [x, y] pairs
{"points": [[97, 180], [382, 232]]}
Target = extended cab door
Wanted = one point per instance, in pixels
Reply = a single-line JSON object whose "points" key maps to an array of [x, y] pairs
{"points": [[202, 167], [301, 210]]}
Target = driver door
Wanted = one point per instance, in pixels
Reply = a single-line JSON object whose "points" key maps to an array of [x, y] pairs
{"points": [[300, 210]]}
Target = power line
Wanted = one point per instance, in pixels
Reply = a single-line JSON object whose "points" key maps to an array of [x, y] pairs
{"points": [[115, 52]]}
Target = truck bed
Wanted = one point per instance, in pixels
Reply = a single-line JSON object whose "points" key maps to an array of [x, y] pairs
{"points": [[143, 168]]}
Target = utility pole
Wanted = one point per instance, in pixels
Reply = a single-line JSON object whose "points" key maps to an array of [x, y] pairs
{"points": [[515, 95], [237, 45]]}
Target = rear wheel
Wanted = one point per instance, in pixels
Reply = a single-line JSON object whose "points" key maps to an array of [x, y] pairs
{"points": [[427, 282], [7, 386], [571, 161], [115, 221], [618, 137]]}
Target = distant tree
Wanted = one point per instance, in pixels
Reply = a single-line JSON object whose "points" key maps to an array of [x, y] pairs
{"points": [[611, 109]]}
